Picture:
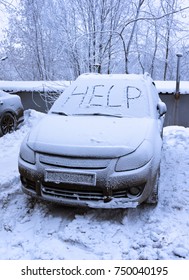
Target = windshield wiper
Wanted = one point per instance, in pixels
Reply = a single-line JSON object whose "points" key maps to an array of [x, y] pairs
{"points": [[106, 115], [98, 114], [59, 113]]}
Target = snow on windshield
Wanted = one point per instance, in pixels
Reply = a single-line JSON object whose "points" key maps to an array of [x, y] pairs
{"points": [[111, 97]]}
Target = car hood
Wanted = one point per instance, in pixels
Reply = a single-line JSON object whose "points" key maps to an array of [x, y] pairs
{"points": [[88, 136]]}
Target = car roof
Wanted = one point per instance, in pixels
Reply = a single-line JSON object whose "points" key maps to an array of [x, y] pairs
{"points": [[97, 76]]}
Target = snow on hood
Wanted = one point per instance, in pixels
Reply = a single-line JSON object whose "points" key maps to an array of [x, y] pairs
{"points": [[88, 135]]}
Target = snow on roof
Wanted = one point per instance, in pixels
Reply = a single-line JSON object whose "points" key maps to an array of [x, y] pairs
{"points": [[165, 87], [114, 76], [34, 86], [170, 87]]}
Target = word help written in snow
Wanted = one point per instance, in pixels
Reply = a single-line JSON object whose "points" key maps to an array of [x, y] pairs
{"points": [[101, 95]]}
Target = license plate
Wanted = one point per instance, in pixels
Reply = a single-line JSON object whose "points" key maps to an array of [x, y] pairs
{"points": [[60, 176]]}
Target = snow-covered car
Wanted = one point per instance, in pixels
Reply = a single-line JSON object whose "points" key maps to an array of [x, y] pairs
{"points": [[11, 112], [99, 146]]}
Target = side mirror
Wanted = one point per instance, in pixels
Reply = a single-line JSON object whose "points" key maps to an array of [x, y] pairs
{"points": [[162, 108]]}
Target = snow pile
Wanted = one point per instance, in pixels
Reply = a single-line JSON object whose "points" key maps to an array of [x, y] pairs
{"points": [[39, 230]]}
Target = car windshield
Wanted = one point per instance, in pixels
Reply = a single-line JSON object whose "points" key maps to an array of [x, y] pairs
{"points": [[109, 97]]}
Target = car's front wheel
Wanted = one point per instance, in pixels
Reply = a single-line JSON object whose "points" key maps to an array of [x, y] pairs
{"points": [[7, 123]]}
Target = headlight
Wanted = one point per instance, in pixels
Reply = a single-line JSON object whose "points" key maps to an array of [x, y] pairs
{"points": [[26, 153], [137, 159]]}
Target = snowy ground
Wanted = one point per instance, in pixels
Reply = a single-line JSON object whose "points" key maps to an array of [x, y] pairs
{"points": [[38, 230]]}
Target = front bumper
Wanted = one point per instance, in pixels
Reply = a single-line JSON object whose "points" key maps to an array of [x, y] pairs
{"points": [[96, 187]]}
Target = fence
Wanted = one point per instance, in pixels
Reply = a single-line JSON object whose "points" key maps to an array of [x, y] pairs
{"points": [[177, 108], [37, 95]]}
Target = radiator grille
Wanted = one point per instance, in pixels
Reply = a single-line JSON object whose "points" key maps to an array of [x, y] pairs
{"points": [[68, 162]]}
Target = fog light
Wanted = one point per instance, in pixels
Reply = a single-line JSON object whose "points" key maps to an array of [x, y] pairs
{"points": [[134, 191]]}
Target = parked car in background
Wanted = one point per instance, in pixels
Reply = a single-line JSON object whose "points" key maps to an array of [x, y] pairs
{"points": [[99, 146], [11, 112]]}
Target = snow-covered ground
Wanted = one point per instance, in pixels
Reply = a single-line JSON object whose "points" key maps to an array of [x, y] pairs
{"points": [[38, 230]]}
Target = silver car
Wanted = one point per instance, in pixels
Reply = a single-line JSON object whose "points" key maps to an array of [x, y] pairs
{"points": [[99, 146], [11, 112]]}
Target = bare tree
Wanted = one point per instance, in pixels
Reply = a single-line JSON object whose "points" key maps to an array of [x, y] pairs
{"points": [[61, 39], [95, 33], [138, 7]]}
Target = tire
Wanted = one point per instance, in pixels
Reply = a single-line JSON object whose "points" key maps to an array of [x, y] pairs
{"points": [[7, 123]]}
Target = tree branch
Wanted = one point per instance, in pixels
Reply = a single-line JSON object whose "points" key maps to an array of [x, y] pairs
{"points": [[154, 18]]}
